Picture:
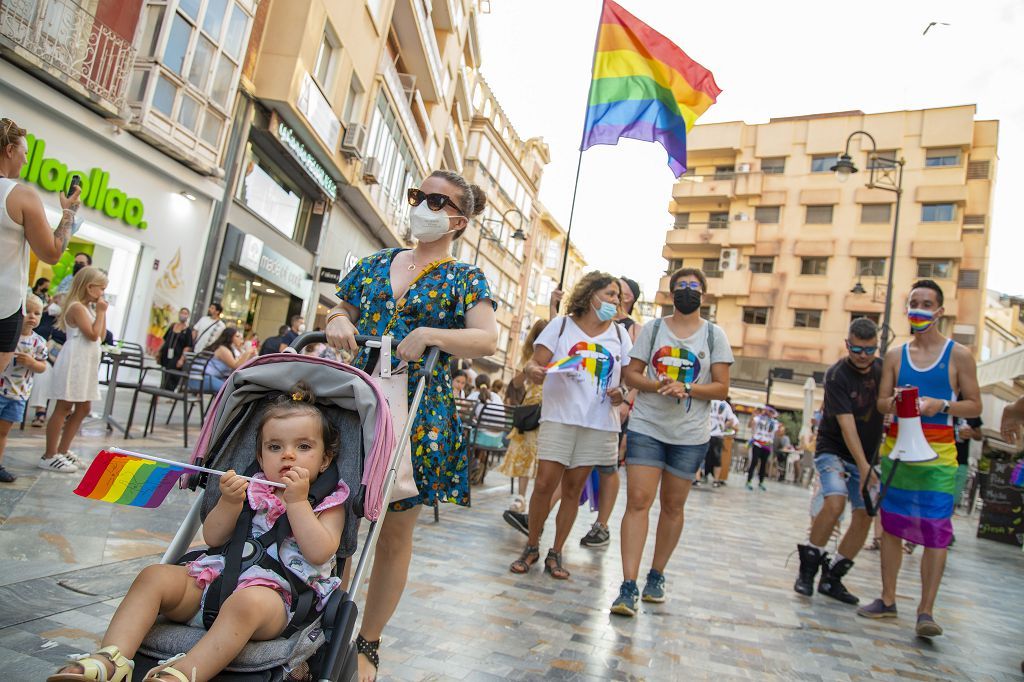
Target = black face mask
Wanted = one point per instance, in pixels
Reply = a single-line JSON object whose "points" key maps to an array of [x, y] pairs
{"points": [[76, 267], [686, 300]]}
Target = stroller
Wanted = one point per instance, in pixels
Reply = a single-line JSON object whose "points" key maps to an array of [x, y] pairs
{"points": [[322, 649]]}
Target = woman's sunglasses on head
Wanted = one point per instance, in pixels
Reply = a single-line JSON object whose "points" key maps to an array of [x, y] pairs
{"points": [[435, 202]]}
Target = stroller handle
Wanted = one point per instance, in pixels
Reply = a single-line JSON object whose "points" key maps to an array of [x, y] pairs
{"points": [[307, 338]]}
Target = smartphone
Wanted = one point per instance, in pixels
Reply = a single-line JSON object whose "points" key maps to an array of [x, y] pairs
{"points": [[76, 181]]}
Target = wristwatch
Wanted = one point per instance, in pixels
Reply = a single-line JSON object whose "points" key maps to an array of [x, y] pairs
{"points": [[945, 407], [688, 387]]}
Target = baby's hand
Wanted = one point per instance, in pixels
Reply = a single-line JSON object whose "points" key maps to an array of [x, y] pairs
{"points": [[233, 487], [296, 481]]}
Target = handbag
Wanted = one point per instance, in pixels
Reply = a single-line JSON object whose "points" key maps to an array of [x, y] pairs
{"points": [[395, 388], [526, 417]]}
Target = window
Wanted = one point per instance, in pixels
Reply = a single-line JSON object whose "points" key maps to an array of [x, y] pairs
{"points": [[935, 269], [876, 213], [774, 166], [949, 156], [271, 195], [682, 221], [553, 254], [718, 220], [674, 265], [870, 267], [762, 264], [325, 58], [807, 319], [938, 213], [816, 265], [767, 214], [705, 312], [822, 163], [757, 316], [353, 110], [968, 279], [874, 317], [386, 143], [724, 172], [710, 267], [819, 215], [883, 159]]}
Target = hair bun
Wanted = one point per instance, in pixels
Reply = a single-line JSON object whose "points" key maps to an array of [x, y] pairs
{"points": [[479, 199]]}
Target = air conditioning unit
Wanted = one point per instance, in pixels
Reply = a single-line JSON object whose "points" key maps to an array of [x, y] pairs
{"points": [[354, 140], [371, 170], [741, 216], [728, 259], [743, 168]]}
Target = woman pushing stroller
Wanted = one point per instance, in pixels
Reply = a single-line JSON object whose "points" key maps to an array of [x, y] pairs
{"points": [[295, 444]]}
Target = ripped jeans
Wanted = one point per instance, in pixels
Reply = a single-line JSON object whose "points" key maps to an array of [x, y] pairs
{"points": [[839, 477]]}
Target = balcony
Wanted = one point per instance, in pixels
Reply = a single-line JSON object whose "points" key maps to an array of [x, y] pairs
{"points": [[731, 283], [66, 41], [713, 235], [749, 184], [400, 98], [703, 187], [415, 32]]}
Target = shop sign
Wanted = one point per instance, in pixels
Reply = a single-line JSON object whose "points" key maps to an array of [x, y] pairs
{"points": [[329, 275], [271, 266], [53, 176], [308, 161]]}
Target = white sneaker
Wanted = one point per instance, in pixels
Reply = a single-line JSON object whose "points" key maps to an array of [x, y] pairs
{"points": [[73, 458], [57, 463]]}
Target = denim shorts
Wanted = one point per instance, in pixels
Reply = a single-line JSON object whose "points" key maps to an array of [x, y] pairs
{"points": [[679, 460], [839, 477], [12, 409]]}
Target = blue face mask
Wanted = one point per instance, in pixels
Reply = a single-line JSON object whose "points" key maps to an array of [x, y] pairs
{"points": [[606, 311]]}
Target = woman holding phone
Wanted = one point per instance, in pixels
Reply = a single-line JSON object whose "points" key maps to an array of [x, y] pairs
{"points": [[23, 225]]}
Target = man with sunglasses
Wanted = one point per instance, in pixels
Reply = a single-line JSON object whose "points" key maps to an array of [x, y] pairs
{"points": [[850, 430]]}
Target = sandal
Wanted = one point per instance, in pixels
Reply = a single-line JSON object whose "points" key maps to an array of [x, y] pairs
{"points": [[530, 556], [164, 671], [553, 565], [369, 649], [95, 669]]}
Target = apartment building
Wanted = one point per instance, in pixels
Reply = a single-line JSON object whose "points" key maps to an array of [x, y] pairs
{"points": [[793, 254], [545, 268]]}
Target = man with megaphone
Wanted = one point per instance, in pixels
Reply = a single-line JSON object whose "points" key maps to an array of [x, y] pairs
{"points": [[920, 383], [848, 436]]}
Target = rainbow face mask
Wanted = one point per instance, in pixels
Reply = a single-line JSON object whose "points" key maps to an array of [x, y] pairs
{"points": [[587, 358], [920, 320]]}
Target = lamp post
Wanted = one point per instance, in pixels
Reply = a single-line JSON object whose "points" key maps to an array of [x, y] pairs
{"points": [[518, 235], [881, 175]]}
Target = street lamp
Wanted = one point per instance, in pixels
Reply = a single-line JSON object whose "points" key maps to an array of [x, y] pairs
{"points": [[882, 172], [518, 235]]}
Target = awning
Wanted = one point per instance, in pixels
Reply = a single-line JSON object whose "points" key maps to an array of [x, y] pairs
{"points": [[1006, 367], [785, 396]]}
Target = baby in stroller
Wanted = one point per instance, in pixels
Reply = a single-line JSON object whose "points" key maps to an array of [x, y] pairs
{"points": [[296, 443]]}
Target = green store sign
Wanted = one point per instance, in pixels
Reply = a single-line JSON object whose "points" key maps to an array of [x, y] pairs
{"points": [[53, 176]]}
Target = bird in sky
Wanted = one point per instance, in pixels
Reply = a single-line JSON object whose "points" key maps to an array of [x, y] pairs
{"points": [[934, 23]]}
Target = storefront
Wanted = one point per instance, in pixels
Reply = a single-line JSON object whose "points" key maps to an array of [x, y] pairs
{"points": [[347, 241], [146, 217]]}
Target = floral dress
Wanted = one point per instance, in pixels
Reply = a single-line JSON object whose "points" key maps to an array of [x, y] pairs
{"points": [[521, 457], [439, 299]]}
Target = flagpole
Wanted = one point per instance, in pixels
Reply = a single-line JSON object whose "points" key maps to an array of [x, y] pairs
{"points": [[192, 467], [579, 163]]}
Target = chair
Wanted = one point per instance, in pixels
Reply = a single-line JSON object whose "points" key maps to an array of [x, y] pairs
{"points": [[195, 365], [131, 356], [493, 418]]}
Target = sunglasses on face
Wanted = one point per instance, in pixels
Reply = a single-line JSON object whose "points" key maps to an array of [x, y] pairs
{"points": [[866, 350], [688, 285], [435, 202]]}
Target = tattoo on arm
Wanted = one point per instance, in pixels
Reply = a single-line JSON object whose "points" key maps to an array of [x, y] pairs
{"points": [[63, 232]]}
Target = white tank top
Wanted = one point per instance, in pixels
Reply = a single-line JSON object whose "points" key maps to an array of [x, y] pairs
{"points": [[14, 261]]}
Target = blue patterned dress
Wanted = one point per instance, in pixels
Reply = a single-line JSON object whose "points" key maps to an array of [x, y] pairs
{"points": [[439, 299]]}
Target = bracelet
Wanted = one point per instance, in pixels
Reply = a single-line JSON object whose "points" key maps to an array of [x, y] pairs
{"points": [[339, 313], [72, 211]]}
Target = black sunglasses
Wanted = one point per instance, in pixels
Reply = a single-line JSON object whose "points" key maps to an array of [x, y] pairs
{"points": [[435, 202], [867, 350]]}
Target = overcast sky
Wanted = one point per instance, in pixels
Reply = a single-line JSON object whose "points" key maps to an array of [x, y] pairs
{"points": [[770, 59]]}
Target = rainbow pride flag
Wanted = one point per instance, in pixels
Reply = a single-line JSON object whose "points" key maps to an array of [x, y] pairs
{"points": [[644, 87], [126, 479]]}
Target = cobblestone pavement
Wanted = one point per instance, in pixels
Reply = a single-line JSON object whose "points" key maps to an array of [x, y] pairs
{"points": [[731, 611]]}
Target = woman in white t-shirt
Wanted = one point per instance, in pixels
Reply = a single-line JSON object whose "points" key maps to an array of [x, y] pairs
{"points": [[579, 360]]}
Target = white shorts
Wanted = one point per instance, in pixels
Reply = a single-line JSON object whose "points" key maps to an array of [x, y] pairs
{"points": [[576, 446]]}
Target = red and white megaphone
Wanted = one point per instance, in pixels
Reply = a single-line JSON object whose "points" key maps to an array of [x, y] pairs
{"points": [[911, 445]]}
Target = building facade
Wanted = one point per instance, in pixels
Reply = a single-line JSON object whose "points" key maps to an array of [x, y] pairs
{"points": [[785, 243]]}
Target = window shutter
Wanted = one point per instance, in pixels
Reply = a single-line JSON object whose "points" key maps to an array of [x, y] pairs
{"points": [[969, 279], [978, 170], [974, 219]]}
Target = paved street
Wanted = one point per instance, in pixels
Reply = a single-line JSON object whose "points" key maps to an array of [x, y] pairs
{"points": [[65, 562]]}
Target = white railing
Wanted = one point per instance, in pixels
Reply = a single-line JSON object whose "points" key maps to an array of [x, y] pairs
{"points": [[398, 96], [65, 36], [430, 43]]}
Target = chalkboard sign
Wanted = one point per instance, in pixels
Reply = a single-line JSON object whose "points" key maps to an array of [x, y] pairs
{"points": [[1002, 516]]}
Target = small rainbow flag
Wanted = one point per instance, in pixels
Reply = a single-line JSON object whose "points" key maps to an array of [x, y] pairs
{"points": [[128, 479], [644, 87]]}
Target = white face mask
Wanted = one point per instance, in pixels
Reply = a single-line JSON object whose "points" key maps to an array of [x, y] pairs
{"points": [[429, 226], [302, 328]]}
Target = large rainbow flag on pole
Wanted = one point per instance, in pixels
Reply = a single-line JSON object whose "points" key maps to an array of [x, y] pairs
{"points": [[644, 87]]}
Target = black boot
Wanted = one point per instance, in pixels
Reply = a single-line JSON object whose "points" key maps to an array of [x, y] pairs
{"points": [[831, 582], [810, 560]]}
